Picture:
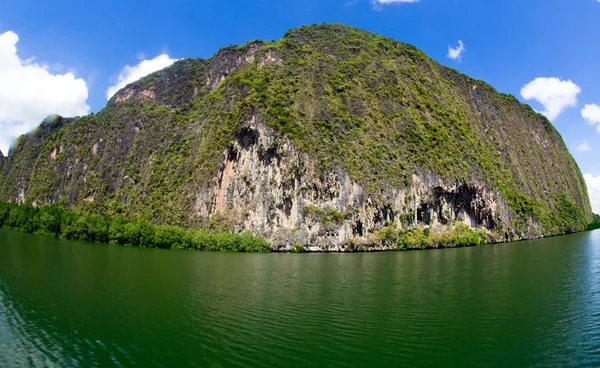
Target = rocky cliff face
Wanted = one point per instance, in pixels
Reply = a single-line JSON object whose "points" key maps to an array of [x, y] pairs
{"points": [[322, 140], [274, 190]]}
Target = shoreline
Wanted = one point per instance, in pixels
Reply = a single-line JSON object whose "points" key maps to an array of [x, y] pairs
{"points": [[314, 249], [64, 223], [379, 249]]}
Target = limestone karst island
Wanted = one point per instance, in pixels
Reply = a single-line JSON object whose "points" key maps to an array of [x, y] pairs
{"points": [[276, 183], [329, 139]]}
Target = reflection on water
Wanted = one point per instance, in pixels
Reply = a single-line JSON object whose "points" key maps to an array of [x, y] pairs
{"points": [[525, 304]]}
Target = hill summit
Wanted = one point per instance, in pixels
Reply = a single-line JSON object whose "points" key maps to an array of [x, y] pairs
{"points": [[329, 138]]}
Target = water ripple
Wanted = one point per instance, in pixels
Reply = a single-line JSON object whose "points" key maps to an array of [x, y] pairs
{"points": [[526, 304]]}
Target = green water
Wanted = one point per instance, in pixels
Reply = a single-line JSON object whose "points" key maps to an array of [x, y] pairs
{"points": [[76, 304]]}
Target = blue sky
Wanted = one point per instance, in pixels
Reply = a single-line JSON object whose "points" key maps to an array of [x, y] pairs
{"points": [[508, 43]]}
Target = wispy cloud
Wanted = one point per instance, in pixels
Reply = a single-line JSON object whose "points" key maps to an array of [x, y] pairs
{"points": [[455, 53], [554, 94], [378, 3], [584, 146], [396, 1]]}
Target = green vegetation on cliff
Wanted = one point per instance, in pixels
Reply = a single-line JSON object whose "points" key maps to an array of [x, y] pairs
{"points": [[459, 236], [595, 224], [379, 109], [63, 223]]}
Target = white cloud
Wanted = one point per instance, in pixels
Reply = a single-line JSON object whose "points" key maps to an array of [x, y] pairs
{"points": [[455, 53], [591, 114], [378, 3], [584, 146], [29, 92], [593, 185], [556, 95], [130, 74]]}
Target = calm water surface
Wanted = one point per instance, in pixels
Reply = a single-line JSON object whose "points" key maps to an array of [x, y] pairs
{"points": [[67, 304]]}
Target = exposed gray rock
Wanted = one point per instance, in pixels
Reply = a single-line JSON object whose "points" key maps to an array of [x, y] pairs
{"points": [[271, 189]]}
